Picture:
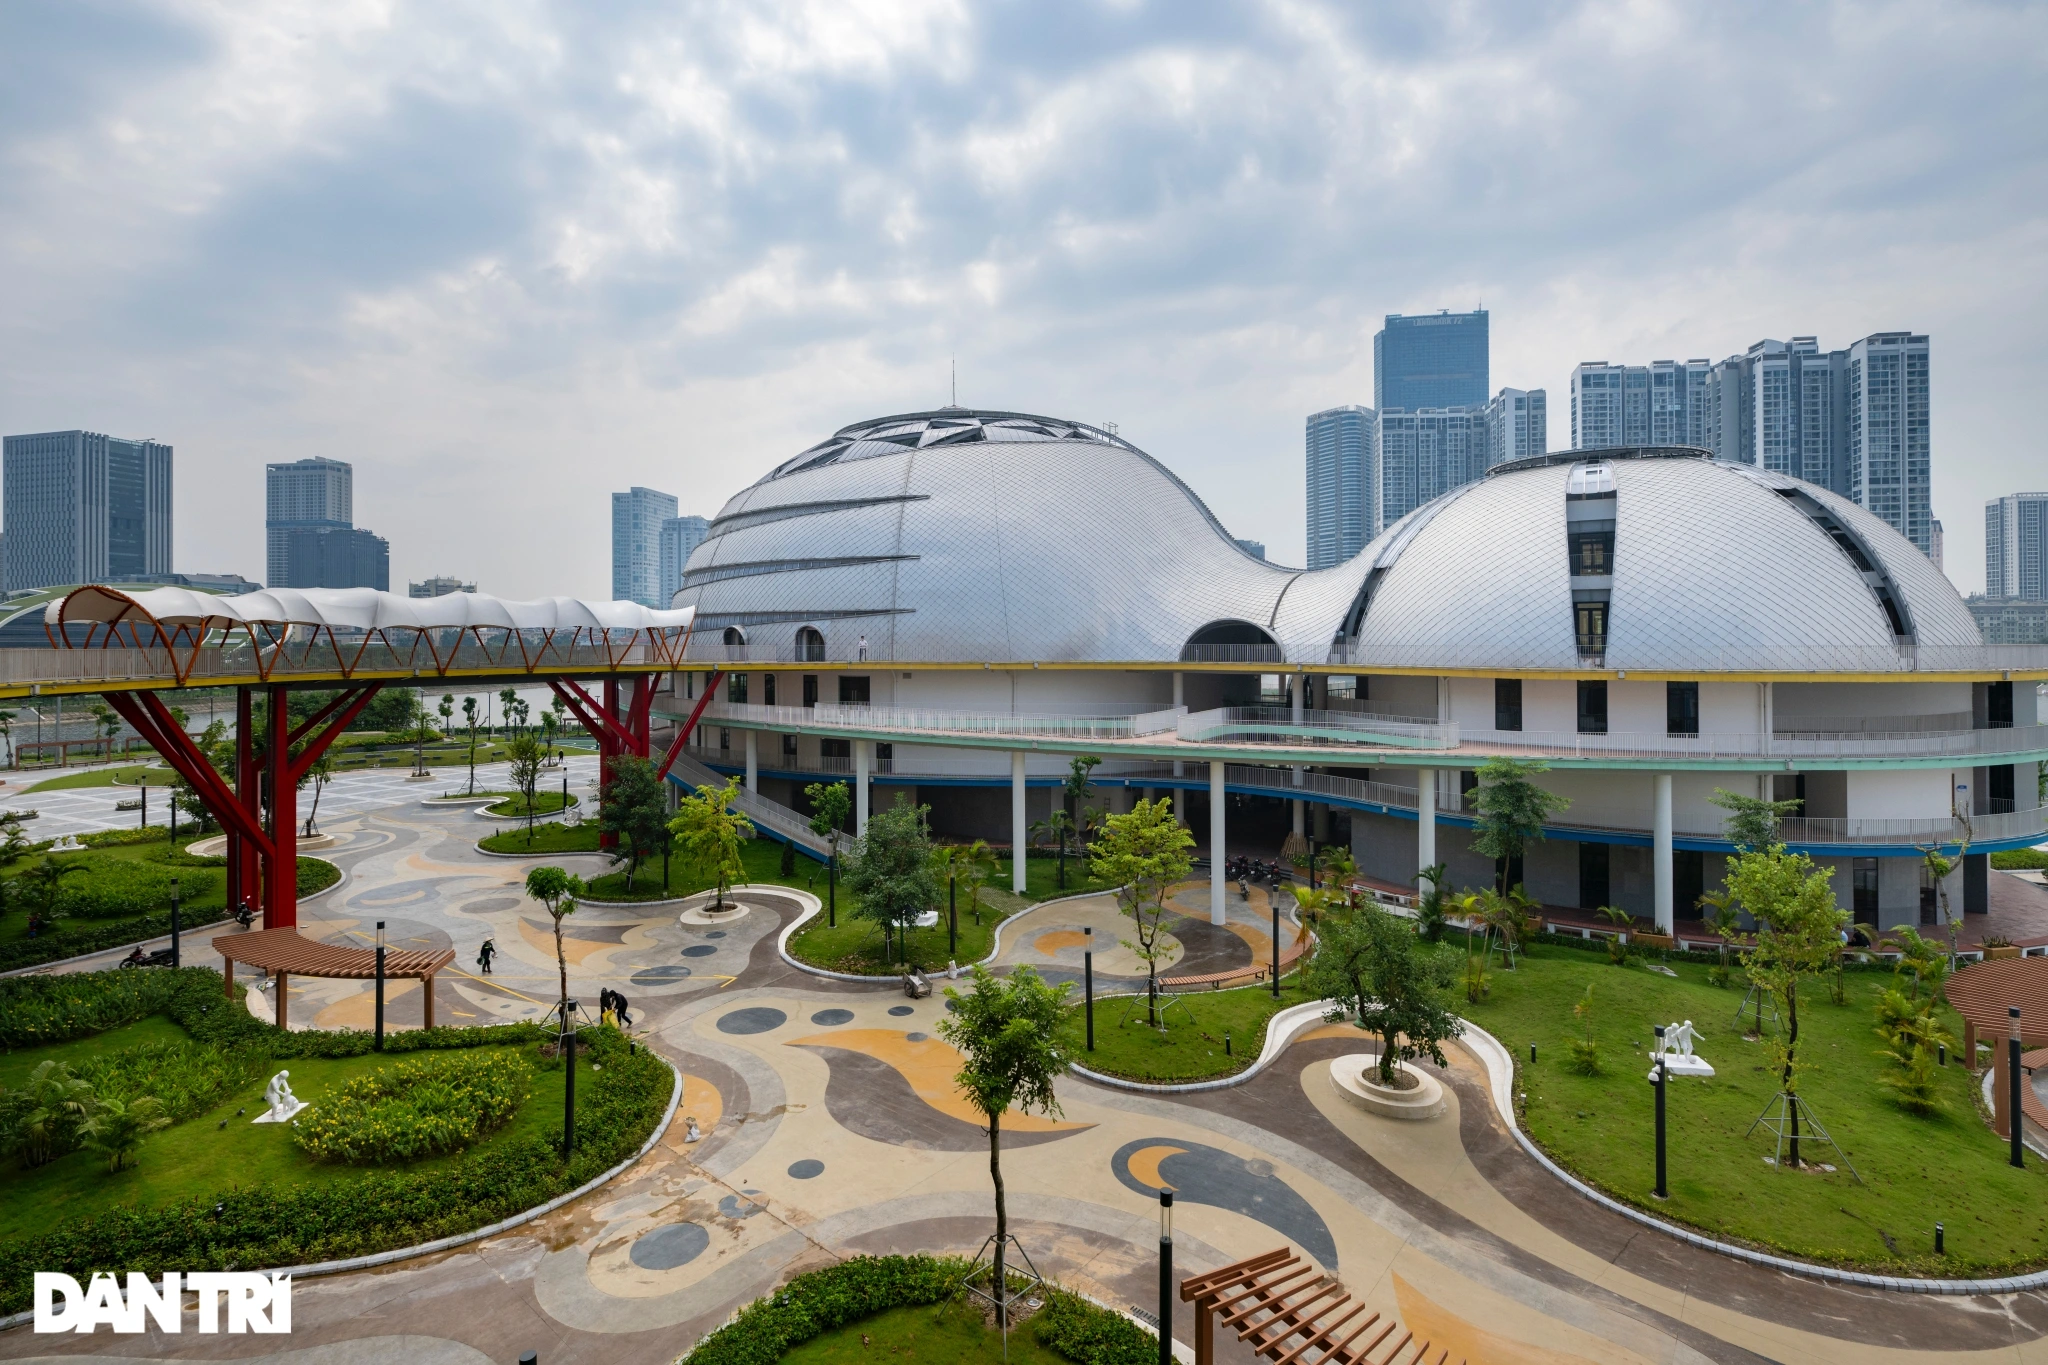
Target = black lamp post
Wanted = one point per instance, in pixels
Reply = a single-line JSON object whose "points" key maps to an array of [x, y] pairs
{"points": [[952, 917], [2012, 1066], [145, 805], [569, 1088], [1275, 899], [1088, 980], [1658, 1082], [1311, 862], [832, 888], [1166, 1277], [380, 985], [176, 960]]}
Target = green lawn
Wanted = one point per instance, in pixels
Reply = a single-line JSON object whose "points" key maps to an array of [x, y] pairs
{"points": [[545, 802], [1191, 1047], [200, 1157], [108, 777], [937, 1332], [551, 837], [1917, 1171], [763, 859]]}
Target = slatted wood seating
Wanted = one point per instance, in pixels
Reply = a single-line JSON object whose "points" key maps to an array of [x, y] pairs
{"points": [[1276, 1298], [1216, 981]]}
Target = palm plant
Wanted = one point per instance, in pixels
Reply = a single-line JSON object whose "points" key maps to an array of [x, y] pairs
{"points": [[63, 1101], [116, 1129]]}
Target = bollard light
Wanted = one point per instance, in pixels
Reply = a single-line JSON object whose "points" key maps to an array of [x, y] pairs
{"points": [[569, 1089], [2018, 1123], [1939, 1249], [380, 986], [1532, 1054]]}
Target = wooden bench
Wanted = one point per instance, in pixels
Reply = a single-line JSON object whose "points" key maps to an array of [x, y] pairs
{"points": [[1216, 981]]}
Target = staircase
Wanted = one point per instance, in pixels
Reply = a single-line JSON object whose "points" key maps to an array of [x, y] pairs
{"points": [[772, 818]]}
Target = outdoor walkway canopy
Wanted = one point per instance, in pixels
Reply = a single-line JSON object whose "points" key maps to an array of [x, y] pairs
{"points": [[353, 624]]}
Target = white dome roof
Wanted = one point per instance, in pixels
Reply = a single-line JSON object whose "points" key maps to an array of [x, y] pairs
{"points": [[961, 536]]}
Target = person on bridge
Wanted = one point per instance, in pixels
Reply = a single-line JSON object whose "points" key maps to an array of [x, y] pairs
{"points": [[485, 954]]}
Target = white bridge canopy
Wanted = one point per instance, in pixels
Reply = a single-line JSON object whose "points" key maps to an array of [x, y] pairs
{"points": [[184, 612]]}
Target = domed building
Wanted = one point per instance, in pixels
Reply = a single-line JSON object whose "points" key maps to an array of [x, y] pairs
{"points": [[959, 602]]}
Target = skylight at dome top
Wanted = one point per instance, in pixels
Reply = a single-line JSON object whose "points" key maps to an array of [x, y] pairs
{"points": [[945, 427]]}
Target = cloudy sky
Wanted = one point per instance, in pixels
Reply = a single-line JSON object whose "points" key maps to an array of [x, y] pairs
{"points": [[509, 256]]}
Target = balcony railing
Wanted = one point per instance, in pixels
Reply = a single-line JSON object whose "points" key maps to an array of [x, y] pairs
{"points": [[912, 720], [1279, 724], [1808, 747], [1760, 659], [1232, 654], [320, 657]]}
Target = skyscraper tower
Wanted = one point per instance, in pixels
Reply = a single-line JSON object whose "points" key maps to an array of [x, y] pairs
{"points": [[1341, 486], [303, 495], [1433, 360], [82, 507], [637, 517]]}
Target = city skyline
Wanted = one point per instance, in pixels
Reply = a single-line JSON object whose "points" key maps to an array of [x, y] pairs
{"points": [[1193, 231]]}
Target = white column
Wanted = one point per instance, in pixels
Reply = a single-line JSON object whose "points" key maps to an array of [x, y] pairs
{"points": [[1018, 825], [1179, 768], [1300, 807], [1217, 853], [1661, 838], [1425, 818], [861, 750], [753, 761]]}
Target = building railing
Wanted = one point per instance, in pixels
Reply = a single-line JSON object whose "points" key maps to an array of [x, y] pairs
{"points": [[1782, 745], [1819, 727], [908, 720], [1706, 662], [907, 762], [766, 814], [1232, 654], [315, 657], [1278, 724]]}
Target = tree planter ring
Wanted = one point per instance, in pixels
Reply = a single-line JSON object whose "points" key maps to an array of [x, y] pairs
{"points": [[1356, 1076]]}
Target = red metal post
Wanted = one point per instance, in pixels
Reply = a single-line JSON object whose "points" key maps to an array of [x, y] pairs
{"points": [[683, 735], [281, 875], [244, 886]]}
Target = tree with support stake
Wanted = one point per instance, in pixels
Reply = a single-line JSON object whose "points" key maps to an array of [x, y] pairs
{"points": [[557, 890], [1798, 930], [709, 829], [1143, 853], [831, 804], [1007, 1032]]}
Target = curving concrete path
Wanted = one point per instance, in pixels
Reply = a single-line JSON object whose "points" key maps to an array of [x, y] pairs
{"points": [[831, 1127]]}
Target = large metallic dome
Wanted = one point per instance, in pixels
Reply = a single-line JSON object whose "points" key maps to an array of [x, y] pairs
{"points": [[963, 535]]}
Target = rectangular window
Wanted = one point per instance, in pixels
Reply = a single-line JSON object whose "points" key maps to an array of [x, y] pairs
{"points": [[810, 689], [1468, 790], [1593, 708], [789, 748], [1863, 880], [736, 688], [1998, 704], [835, 748], [1688, 882], [1341, 687], [1595, 864], [767, 689], [1590, 621], [885, 758], [1681, 708], [1507, 703], [724, 739], [1998, 789], [853, 691], [1592, 554]]}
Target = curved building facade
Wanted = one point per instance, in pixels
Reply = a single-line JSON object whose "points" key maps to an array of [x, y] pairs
{"points": [[961, 601]]}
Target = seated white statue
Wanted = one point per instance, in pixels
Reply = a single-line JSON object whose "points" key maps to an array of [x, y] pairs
{"points": [[283, 1103]]}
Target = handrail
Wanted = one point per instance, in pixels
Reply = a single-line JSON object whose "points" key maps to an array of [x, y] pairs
{"points": [[1751, 745], [941, 722], [1279, 724], [771, 815]]}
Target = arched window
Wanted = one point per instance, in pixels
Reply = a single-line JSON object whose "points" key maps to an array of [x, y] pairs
{"points": [[735, 636], [1231, 642], [810, 645]]}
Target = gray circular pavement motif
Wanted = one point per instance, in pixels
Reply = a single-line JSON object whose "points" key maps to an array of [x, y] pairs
{"points": [[832, 1017], [915, 1037], [807, 1169], [699, 950], [901, 1009], [715, 933], [660, 976], [485, 906], [665, 1248], [753, 1019]]}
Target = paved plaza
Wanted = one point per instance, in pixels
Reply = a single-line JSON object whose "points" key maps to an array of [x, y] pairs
{"points": [[831, 1127]]}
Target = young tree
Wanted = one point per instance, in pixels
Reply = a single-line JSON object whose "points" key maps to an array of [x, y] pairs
{"points": [[1752, 822], [1074, 789], [1512, 812], [1372, 965], [1143, 854], [548, 726], [422, 722], [1008, 1035], [709, 830], [1939, 865], [631, 806], [469, 718], [447, 710], [1798, 930], [213, 745], [557, 890], [526, 757], [1429, 902], [320, 774], [831, 804], [890, 868]]}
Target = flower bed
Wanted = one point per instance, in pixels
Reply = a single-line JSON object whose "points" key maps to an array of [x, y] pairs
{"points": [[438, 1103]]}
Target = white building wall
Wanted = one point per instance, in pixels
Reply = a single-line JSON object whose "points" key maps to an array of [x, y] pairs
{"points": [[1901, 794]]}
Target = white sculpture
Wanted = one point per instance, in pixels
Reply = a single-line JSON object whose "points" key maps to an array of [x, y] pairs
{"points": [[1677, 1054], [283, 1103], [694, 1134]]}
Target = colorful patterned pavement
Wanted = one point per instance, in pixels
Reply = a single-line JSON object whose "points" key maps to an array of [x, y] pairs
{"points": [[831, 1128]]}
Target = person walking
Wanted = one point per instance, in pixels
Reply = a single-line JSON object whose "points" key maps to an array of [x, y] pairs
{"points": [[485, 954], [619, 1009]]}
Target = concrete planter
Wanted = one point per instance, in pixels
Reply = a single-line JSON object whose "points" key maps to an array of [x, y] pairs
{"points": [[1357, 1076], [2006, 950], [1664, 941]]}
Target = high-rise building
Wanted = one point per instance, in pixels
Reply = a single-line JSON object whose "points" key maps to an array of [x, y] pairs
{"points": [[679, 536], [1517, 424], [1853, 421], [1434, 360], [1418, 455], [2016, 547], [82, 507], [1342, 512], [1889, 465], [312, 494], [438, 586], [637, 517], [335, 557], [1255, 548]]}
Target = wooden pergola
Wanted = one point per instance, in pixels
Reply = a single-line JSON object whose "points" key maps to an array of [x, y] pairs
{"points": [[1293, 1314], [1982, 993], [289, 953]]}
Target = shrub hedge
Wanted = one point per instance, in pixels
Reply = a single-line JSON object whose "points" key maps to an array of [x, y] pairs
{"points": [[434, 1104], [244, 1228], [2016, 859], [821, 1301]]}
